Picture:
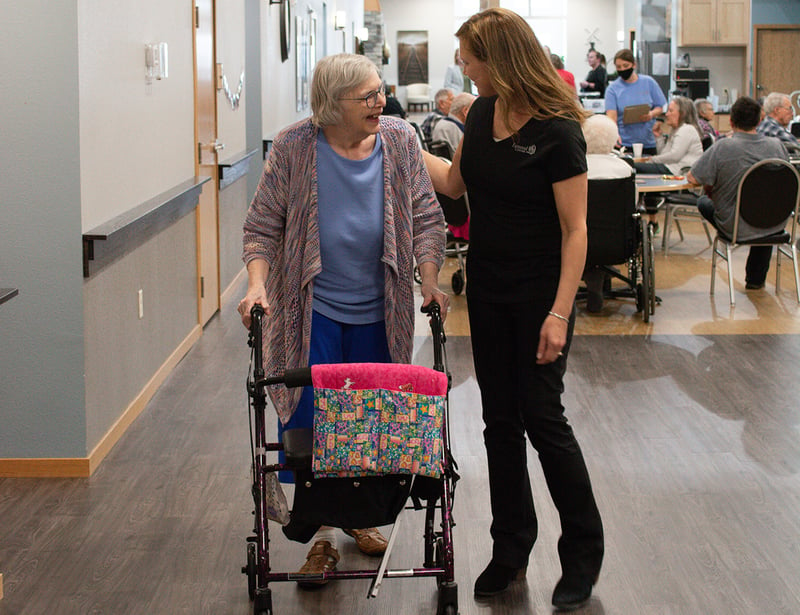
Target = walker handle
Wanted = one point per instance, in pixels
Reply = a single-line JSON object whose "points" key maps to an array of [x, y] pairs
{"points": [[437, 331]]}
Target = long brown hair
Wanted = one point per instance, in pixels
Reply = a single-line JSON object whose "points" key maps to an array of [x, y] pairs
{"points": [[520, 71]]}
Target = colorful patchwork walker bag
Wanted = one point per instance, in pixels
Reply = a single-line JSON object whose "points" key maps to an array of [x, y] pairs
{"points": [[377, 418]]}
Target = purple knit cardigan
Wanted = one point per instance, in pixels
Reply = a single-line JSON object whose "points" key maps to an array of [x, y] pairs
{"points": [[282, 227]]}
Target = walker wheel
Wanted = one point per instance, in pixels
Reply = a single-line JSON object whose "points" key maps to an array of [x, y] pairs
{"points": [[263, 603], [438, 558], [250, 570], [457, 282]]}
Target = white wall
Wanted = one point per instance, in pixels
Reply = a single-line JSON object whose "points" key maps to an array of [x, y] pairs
{"points": [[586, 17], [231, 126], [435, 17], [136, 140], [278, 86], [583, 17]]}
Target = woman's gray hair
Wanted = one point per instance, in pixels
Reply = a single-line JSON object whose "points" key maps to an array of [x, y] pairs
{"points": [[687, 114], [600, 133], [335, 77], [700, 103]]}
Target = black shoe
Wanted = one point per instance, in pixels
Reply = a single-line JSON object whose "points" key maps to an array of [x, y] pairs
{"points": [[572, 592], [496, 578], [754, 286]]}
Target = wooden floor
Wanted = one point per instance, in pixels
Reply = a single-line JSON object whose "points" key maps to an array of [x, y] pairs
{"points": [[690, 426]]}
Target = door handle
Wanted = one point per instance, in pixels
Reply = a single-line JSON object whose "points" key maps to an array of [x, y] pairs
{"points": [[217, 146]]}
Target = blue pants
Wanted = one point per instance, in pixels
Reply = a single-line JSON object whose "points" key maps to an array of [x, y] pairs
{"points": [[335, 342]]}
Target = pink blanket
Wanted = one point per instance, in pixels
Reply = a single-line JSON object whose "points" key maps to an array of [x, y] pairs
{"points": [[390, 376]]}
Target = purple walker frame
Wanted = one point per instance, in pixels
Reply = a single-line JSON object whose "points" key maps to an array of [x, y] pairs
{"points": [[438, 560]]}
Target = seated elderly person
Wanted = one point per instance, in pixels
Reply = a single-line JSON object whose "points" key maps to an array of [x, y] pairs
{"points": [[682, 147], [705, 115], [777, 116], [450, 129], [720, 168], [443, 99], [600, 133]]}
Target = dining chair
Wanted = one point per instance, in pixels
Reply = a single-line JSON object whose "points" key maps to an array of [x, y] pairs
{"points": [[683, 206], [768, 194]]}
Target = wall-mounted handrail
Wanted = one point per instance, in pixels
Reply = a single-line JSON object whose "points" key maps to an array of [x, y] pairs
{"points": [[113, 239], [234, 167]]}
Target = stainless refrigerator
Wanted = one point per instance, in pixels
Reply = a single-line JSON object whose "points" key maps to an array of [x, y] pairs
{"points": [[655, 60]]}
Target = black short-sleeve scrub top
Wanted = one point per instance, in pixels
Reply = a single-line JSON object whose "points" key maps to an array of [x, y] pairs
{"points": [[515, 236]]}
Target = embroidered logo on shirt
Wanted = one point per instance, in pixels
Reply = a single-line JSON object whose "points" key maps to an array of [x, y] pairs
{"points": [[522, 149], [347, 383]]}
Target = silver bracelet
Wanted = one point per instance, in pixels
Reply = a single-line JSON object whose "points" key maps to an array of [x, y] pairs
{"points": [[559, 316]]}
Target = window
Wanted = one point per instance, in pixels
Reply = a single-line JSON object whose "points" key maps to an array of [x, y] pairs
{"points": [[463, 10], [548, 20]]}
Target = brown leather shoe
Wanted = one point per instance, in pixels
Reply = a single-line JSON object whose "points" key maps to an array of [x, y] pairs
{"points": [[321, 558], [369, 540]]}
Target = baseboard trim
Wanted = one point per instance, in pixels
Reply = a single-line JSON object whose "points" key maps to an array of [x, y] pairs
{"points": [[233, 286], [83, 467]]}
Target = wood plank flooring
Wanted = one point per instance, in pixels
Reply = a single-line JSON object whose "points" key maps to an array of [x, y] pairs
{"points": [[690, 427]]}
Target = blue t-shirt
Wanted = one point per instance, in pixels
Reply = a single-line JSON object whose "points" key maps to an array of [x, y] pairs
{"points": [[621, 94], [350, 287]]}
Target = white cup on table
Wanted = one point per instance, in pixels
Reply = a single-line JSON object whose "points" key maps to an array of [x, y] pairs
{"points": [[637, 150]]}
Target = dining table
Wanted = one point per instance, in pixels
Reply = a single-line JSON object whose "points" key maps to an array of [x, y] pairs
{"points": [[646, 183]]}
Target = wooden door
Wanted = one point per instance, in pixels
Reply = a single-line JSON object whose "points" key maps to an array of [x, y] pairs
{"points": [[776, 68], [205, 112]]}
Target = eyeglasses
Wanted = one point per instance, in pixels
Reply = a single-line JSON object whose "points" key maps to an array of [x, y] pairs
{"points": [[371, 98]]}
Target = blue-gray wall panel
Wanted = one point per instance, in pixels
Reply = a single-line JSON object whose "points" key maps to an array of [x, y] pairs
{"points": [[41, 330]]}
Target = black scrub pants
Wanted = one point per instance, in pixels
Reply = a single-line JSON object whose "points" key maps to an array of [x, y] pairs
{"points": [[520, 397]]}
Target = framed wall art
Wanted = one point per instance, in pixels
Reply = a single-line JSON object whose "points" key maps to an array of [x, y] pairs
{"points": [[412, 56]]}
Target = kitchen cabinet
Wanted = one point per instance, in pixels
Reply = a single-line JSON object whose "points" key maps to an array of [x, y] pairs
{"points": [[715, 22]]}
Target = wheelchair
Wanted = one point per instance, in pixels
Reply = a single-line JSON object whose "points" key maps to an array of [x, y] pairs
{"points": [[619, 234], [456, 214]]}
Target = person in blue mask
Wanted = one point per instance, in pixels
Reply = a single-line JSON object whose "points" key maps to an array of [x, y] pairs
{"points": [[631, 89]]}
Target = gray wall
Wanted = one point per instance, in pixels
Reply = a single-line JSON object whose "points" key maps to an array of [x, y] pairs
{"points": [[775, 12], [123, 351], [41, 330], [233, 203]]}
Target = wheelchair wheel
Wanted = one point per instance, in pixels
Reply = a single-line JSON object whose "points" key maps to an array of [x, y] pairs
{"points": [[457, 282], [643, 290], [651, 259], [250, 570]]}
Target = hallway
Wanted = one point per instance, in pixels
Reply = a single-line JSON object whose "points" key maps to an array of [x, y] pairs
{"points": [[694, 455]]}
